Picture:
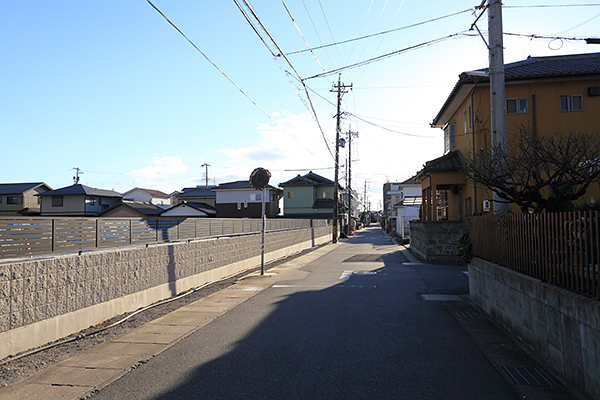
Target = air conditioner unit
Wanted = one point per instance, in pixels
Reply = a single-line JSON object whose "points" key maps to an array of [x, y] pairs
{"points": [[486, 206]]}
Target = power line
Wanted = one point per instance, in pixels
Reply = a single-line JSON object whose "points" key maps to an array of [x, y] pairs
{"points": [[387, 55], [380, 33], [225, 75], [282, 54]]}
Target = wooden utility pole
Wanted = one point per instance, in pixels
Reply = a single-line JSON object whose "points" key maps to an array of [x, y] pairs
{"points": [[339, 88], [77, 173]]}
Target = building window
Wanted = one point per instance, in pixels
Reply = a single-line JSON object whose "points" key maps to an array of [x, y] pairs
{"points": [[517, 106], [465, 123], [255, 197], [239, 205], [572, 102], [91, 201], [449, 138], [13, 200], [325, 195], [290, 195], [57, 201]]}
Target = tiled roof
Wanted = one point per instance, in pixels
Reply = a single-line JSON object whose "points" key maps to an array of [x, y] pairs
{"points": [[149, 191], [79, 189], [198, 192], [451, 161], [16, 188], [239, 185], [310, 179]]}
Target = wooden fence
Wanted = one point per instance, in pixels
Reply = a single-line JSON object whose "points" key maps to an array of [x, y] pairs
{"points": [[24, 237], [559, 248]]}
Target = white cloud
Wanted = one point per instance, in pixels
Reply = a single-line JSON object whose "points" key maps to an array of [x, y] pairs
{"points": [[166, 165]]}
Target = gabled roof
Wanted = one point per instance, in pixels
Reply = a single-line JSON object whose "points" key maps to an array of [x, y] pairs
{"points": [[239, 185], [79, 189], [205, 208], [411, 181], [575, 65], [142, 207], [197, 192], [151, 192], [310, 179], [17, 188]]}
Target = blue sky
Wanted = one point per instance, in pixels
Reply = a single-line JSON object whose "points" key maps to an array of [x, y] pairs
{"points": [[112, 88]]}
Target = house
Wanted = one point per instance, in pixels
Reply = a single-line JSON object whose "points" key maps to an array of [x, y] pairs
{"points": [[199, 194], [310, 196], [545, 95], [131, 209], [240, 200], [20, 199], [156, 197], [405, 206], [77, 201], [188, 209]]}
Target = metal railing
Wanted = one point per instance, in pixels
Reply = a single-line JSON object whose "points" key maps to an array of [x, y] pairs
{"points": [[24, 237], [559, 248]]}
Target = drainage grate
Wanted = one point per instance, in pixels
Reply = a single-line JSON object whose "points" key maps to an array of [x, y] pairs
{"points": [[246, 288], [467, 315], [441, 297], [528, 376]]}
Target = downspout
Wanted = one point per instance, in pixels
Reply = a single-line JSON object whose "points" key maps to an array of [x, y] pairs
{"points": [[534, 114], [474, 146], [431, 198]]}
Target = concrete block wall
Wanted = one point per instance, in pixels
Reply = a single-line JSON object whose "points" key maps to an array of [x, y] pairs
{"points": [[44, 300], [561, 329], [436, 241]]}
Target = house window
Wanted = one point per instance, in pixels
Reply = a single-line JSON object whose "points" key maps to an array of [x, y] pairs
{"points": [[239, 205], [449, 138], [517, 106], [572, 102], [465, 123], [91, 201], [57, 201], [325, 195], [14, 200], [290, 195], [255, 197]]}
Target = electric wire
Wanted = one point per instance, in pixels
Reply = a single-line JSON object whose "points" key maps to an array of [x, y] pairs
{"points": [[226, 76], [304, 38], [318, 34], [282, 54], [380, 33], [388, 55], [331, 32]]}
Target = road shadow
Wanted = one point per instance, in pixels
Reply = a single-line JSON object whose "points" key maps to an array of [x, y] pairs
{"points": [[368, 337]]}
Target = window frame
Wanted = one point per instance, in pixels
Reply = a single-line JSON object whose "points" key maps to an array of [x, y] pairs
{"points": [[569, 105], [518, 109], [55, 201], [13, 200]]}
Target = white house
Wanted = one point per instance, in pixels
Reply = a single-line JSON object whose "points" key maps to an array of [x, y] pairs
{"points": [[155, 197], [405, 202]]}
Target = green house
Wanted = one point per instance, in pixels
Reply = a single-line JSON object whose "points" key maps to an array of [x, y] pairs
{"points": [[309, 196]]}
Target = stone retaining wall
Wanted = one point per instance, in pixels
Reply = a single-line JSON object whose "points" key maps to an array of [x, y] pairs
{"points": [[47, 299], [436, 241], [561, 329]]}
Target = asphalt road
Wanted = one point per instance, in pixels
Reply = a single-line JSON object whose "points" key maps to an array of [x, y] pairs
{"points": [[351, 324]]}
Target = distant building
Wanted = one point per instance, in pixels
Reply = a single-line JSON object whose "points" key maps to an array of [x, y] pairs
{"points": [[131, 209], [199, 194], [309, 196], [190, 210], [77, 201], [149, 196], [240, 200], [20, 199]]}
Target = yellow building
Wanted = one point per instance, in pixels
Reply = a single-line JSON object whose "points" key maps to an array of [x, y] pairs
{"points": [[548, 95]]}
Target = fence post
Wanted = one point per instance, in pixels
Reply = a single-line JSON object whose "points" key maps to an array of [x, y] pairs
{"points": [[97, 232], [130, 231], [53, 235]]}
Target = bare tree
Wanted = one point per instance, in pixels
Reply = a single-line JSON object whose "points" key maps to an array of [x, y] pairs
{"points": [[538, 173]]}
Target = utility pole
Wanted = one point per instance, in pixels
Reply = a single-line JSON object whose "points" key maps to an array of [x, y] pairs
{"points": [[206, 173], [350, 135], [339, 88], [77, 173], [497, 89]]}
